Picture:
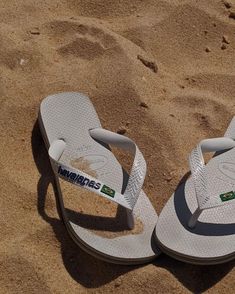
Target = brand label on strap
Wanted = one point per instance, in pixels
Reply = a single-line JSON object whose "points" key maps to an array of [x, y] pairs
{"points": [[108, 191], [227, 196], [78, 179]]}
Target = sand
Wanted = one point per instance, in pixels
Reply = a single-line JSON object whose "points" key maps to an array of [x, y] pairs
{"points": [[162, 72]]}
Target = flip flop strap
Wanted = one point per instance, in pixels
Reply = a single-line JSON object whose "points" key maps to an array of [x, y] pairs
{"points": [[197, 166], [79, 178], [230, 133]]}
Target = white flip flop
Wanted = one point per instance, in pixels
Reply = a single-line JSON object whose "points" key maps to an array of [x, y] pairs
{"points": [[72, 131], [197, 225]]}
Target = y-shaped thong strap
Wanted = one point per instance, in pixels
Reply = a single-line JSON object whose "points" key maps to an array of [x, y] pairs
{"points": [[197, 166], [79, 178]]}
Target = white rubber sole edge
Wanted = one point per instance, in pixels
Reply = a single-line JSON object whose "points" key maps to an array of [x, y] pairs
{"points": [[76, 238], [192, 260]]}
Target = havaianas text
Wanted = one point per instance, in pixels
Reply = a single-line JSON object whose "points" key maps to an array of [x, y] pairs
{"points": [[76, 178]]}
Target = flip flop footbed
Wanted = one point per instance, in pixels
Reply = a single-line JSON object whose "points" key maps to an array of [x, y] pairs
{"points": [[212, 240], [70, 117]]}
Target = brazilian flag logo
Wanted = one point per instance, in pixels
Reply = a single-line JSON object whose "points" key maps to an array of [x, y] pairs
{"points": [[227, 196], [108, 191]]}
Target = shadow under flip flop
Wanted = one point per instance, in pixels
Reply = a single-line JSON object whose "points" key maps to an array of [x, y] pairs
{"points": [[196, 278], [82, 267]]}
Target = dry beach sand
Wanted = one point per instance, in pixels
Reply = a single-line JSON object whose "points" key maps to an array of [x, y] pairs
{"points": [[163, 72]]}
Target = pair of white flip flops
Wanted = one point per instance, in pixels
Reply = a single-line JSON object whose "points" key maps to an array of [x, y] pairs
{"points": [[197, 225]]}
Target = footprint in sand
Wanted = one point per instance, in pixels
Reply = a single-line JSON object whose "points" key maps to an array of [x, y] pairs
{"points": [[206, 113], [84, 41]]}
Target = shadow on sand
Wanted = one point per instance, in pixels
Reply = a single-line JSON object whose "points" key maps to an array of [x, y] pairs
{"points": [[91, 272]]}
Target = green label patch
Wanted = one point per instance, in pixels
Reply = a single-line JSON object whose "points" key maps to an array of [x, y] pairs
{"points": [[227, 196], [108, 191]]}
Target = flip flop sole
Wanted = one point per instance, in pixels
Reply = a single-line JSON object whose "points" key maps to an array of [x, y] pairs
{"points": [[212, 240], [70, 116]]}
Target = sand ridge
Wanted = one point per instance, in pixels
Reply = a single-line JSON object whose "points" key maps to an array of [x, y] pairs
{"points": [[93, 47]]}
